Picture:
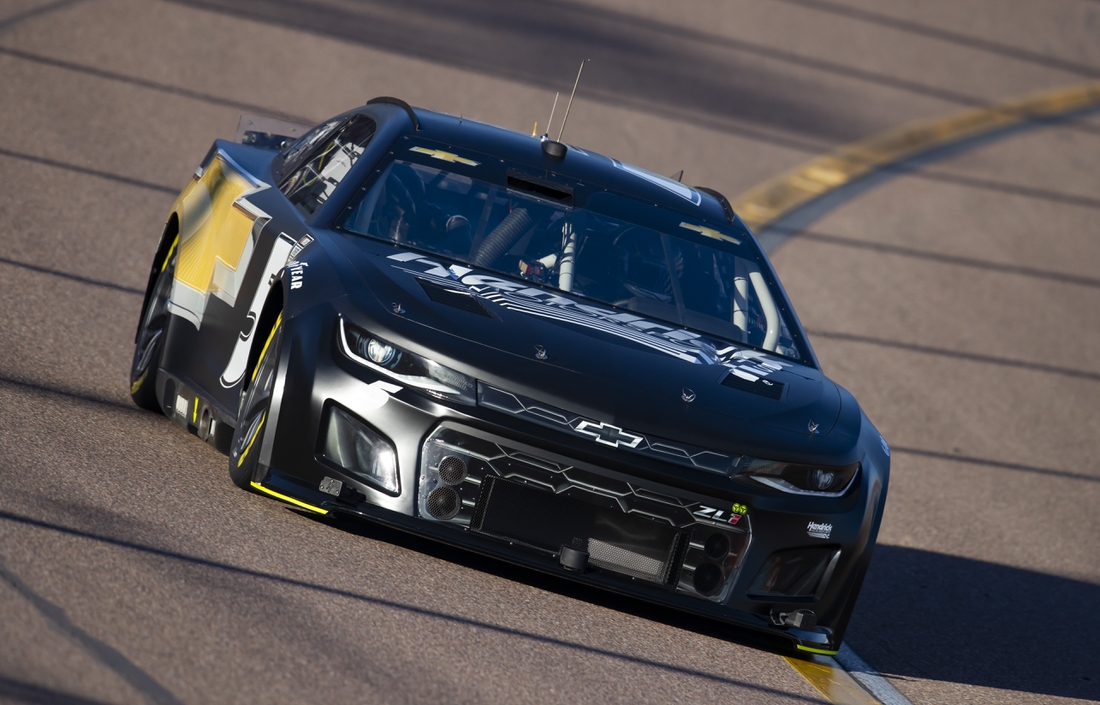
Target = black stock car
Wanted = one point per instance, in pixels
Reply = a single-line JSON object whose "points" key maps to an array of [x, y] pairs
{"points": [[521, 348]]}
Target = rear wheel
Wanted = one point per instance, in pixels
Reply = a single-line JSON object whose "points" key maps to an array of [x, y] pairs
{"points": [[252, 413], [150, 336]]}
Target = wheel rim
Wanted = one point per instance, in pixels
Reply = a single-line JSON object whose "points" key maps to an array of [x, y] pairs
{"points": [[152, 325]]}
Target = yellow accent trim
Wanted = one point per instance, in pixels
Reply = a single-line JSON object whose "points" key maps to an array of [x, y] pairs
{"points": [[710, 232], [137, 383], [263, 351], [195, 411], [285, 498], [767, 202], [256, 435], [812, 650], [830, 679], [170, 251], [445, 156]]}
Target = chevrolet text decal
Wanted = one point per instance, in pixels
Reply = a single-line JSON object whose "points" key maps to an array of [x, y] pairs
{"points": [[544, 303]]}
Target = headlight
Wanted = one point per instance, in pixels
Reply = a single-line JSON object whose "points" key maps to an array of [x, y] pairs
{"points": [[412, 369], [816, 480], [359, 449]]}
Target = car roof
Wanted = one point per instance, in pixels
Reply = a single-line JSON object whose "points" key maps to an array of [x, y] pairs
{"points": [[579, 164]]}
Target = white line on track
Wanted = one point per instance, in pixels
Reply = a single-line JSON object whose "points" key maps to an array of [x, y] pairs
{"points": [[869, 678]]}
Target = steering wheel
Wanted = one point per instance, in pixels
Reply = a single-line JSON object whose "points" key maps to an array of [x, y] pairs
{"points": [[400, 207]]}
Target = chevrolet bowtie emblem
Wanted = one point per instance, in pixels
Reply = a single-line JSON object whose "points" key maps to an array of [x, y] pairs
{"points": [[608, 435]]}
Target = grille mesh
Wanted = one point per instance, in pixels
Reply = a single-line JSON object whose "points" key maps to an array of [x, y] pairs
{"points": [[615, 541]]}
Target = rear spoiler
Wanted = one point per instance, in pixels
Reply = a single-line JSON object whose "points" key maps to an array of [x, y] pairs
{"points": [[267, 132]]}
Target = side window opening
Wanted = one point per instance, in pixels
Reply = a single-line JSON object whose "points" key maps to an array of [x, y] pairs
{"points": [[333, 155]]}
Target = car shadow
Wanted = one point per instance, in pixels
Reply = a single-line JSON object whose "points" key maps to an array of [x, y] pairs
{"points": [[921, 615], [933, 616]]}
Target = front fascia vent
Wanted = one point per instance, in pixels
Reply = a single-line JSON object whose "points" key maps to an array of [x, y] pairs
{"points": [[456, 298], [760, 386]]}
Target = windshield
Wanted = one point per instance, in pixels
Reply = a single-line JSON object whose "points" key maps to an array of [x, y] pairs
{"points": [[676, 269]]}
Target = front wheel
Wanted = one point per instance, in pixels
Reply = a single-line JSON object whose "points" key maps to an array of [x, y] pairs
{"points": [[150, 336], [252, 413]]}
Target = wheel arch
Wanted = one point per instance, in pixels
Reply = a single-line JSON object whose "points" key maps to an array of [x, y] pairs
{"points": [[269, 314], [168, 238]]}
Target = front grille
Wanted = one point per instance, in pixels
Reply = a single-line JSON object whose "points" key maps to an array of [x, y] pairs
{"points": [[627, 544], [643, 531]]}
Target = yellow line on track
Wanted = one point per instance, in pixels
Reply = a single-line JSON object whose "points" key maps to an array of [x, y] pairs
{"points": [[766, 203], [771, 200], [831, 680]]}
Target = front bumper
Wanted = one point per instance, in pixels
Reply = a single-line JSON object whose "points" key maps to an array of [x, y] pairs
{"points": [[549, 501]]}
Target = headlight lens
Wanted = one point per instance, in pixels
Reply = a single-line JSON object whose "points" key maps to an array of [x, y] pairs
{"points": [[816, 480], [412, 369], [380, 353], [359, 449]]}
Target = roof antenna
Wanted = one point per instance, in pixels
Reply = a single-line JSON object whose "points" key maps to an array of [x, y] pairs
{"points": [[553, 108], [570, 104]]}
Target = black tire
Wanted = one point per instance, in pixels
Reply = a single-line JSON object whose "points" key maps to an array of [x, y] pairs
{"points": [[255, 403], [149, 342]]}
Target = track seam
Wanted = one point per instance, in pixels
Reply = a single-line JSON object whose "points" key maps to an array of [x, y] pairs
{"points": [[110, 657]]}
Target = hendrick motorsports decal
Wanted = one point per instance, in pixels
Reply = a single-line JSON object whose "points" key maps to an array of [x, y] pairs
{"points": [[545, 303], [819, 531]]}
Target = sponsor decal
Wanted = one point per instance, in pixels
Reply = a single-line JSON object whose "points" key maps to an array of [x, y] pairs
{"points": [[812, 426], [515, 296], [710, 232], [885, 446], [607, 434], [276, 259], [444, 156], [296, 271], [721, 516], [297, 249], [819, 531], [219, 228], [500, 400]]}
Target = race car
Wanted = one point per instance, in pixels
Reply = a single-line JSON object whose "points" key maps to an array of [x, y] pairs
{"points": [[518, 347]]}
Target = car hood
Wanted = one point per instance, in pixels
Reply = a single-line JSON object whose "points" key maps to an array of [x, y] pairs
{"points": [[613, 365]]}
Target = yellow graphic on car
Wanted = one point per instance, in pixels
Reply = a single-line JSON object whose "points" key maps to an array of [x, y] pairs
{"points": [[216, 236], [710, 232], [445, 156]]}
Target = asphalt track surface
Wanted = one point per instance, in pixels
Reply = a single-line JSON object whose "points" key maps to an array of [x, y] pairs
{"points": [[957, 300]]}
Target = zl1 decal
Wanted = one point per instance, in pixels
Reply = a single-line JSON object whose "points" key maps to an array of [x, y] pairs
{"points": [[720, 516]]}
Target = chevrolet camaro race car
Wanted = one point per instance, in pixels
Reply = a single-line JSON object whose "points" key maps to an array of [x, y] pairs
{"points": [[521, 348]]}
